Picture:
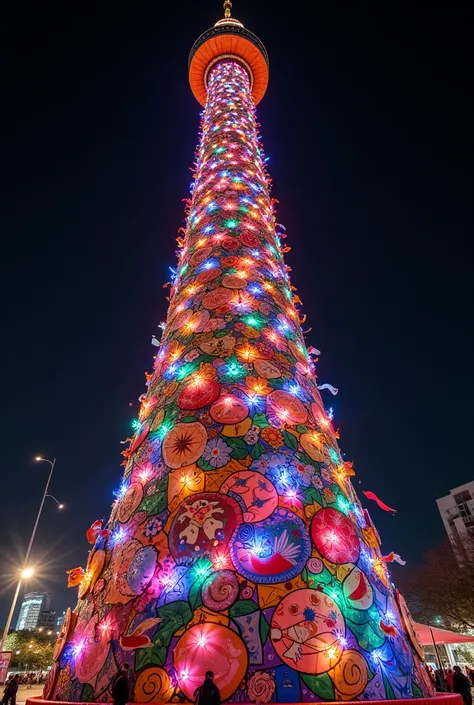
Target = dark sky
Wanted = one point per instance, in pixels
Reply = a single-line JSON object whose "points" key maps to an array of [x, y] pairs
{"points": [[367, 123]]}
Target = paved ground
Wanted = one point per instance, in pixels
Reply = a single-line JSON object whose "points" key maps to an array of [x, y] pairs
{"points": [[24, 693]]}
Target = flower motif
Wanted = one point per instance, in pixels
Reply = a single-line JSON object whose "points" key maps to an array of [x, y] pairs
{"points": [[251, 437], [217, 452], [214, 324], [191, 355], [317, 482], [264, 308], [153, 527], [261, 687], [258, 385], [275, 421], [329, 495], [305, 472], [272, 436], [325, 475]]}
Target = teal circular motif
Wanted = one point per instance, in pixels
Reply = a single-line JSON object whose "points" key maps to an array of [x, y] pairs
{"points": [[271, 551]]}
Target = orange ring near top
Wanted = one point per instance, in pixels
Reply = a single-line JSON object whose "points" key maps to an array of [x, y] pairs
{"points": [[228, 41]]}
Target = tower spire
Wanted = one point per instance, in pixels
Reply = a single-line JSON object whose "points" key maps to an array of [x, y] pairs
{"points": [[227, 8]]}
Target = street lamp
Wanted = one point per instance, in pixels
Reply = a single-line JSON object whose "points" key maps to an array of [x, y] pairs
{"points": [[25, 574], [28, 572]]}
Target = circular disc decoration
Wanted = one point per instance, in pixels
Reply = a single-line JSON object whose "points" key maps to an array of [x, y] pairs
{"points": [[271, 551], [218, 346], [198, 394], [92, 656], [230, 243], [95, 565], [350, 675], [232, 281], [141, 569], [213, 647], [184, 444], [311, 444], [50, 681], [357, 590], [216, 298], [287, 406], [130, 502], [207, 275], [249, 239], [198, 321], [200, 255], [229, 410], [152, 685], [254, 492], [220, 590], [267, 369], [408, 625], [179, 320], [203, 525], [303, 631], [65, 633], [335, 536]]}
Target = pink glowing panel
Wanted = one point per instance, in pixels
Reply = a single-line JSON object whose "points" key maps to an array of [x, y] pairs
{"points": [[303, 631], [211, 647]]}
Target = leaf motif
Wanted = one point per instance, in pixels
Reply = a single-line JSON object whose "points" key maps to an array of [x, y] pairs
{"points": [[154, 504], [87, 695], [242, 607], [257, 450], [204, 465], [301, 428], [239, 448], [264, 628], [194, 597], [319, 685], [290, 440], [188, 419], [152, 656], [260, 419]]}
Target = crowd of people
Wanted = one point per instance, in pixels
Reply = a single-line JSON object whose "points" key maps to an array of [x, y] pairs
{"points": [[453, 680]]}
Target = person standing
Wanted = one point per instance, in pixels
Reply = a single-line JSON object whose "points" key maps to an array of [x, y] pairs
{"points": [[449, 675], [462, 685], [208, 693], [121, 686], [9, 694]]}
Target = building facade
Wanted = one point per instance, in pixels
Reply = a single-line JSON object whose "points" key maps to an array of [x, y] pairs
{"points": [[33, 606], [457, 513]]}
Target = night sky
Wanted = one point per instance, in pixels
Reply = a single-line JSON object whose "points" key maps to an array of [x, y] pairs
{"points": [[367, 123]]}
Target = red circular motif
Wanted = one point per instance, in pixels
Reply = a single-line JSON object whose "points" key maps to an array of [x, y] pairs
{"points": [[208, 275], [229, 243], [287, 406], [249, 240], [229, 410], [194, 396], [335, 536], [200, 255], [217, 298], [232, 281]]}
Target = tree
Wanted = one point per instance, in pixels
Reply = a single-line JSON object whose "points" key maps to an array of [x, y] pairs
{"points": [[30, 650], [444, 587]]}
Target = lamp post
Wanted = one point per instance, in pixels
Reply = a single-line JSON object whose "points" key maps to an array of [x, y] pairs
{"points": [[28, 572], [25, 575]]}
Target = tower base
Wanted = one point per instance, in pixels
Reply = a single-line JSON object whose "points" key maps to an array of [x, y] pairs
{"points": [[438, 699]]}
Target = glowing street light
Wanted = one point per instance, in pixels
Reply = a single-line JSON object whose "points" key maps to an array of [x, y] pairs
{"points": [[27, 573]]}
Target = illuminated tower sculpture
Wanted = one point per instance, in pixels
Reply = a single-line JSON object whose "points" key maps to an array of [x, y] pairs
{"points": [[236, 541]]}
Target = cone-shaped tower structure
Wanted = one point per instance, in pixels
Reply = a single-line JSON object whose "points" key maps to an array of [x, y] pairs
{"points": [[236, 542]]}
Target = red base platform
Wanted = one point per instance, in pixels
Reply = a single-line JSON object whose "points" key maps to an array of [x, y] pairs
{"points": [[438, 699]]}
